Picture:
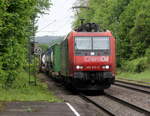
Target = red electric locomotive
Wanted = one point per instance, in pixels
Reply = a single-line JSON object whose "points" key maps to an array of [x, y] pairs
{"points": [[88, 60]]}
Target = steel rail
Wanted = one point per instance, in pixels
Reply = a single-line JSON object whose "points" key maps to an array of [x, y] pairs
{"points": [[132, 88], [139, 109], [133, 81], [96, 104], [129, 83]]}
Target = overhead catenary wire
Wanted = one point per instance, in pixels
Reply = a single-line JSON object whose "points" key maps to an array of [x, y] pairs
{"points": [[62, 25], [63, 20], [47, 31], [40, 30], [47, 25]]}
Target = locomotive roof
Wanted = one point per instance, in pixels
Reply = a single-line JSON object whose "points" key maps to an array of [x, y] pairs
{"points": [[107, 33]]}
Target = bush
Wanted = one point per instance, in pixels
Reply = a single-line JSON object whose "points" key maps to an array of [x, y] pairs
{"points": [[137, 65], [147, 54]]}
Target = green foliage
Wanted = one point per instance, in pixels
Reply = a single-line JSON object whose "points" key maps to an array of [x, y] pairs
{"points": [[136, 65], [21, 91], [16, 27], [134, 32], [129, 21], [148, 54]]}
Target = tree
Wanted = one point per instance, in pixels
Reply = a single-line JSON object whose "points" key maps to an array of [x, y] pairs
{"points": [[16, 25]]}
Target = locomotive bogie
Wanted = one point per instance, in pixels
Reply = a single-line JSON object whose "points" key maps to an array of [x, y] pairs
{"points": [[99, 80]]}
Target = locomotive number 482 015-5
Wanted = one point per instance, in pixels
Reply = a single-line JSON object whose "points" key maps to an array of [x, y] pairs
{"points": [[96, 59]]}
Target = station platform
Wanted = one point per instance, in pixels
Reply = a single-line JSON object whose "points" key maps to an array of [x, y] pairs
{"points": [[38, 109]]}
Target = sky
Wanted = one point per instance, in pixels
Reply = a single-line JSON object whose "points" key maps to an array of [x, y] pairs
{"points": [[59, 19]]}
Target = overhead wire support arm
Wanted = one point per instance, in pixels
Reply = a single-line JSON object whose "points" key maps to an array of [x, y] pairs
{"points": [[77, 7], [87, 27]]}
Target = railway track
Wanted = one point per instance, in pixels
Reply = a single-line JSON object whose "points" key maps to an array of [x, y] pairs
{"points": [[117, 100], [132, 106], [133, 86], [96, 104]]}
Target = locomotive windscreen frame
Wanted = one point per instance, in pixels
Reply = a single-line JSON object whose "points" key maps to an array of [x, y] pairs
{"points": [[86, 44]]}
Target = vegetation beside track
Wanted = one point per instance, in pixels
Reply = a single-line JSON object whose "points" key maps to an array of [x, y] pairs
{"points": [[17, 29], [143, 76], [22, 91]]}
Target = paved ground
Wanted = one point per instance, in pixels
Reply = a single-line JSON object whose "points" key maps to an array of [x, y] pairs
{"points": [[77, 106], [40, 109]]}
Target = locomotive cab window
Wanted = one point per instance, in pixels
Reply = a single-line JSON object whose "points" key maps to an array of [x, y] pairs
{"points": [[85, 45], [101, 43]]}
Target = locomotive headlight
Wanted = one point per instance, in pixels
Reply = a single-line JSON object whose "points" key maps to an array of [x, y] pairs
{"points": [[79, 67], [106, 67]]}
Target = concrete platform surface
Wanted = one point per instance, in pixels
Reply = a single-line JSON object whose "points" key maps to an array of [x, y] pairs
{"points": [[39, 109]]}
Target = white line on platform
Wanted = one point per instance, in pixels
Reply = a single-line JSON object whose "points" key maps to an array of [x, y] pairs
{"points": [[73, 109]]}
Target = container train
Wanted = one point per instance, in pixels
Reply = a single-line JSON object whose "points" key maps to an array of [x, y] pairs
{"points": [[85, 59]]}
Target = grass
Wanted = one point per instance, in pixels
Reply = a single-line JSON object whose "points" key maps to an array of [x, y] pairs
{"points": [[22, 91], [143, 76]]}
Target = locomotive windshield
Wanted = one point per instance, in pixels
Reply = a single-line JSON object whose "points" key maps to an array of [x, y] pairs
{"points": [[91, 43], [100, 45]]}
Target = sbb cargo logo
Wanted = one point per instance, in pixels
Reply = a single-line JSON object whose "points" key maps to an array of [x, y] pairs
{"points": [[96, 59]]}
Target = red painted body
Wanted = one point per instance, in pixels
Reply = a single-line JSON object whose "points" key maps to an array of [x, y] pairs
{"points": [[91, 63]]}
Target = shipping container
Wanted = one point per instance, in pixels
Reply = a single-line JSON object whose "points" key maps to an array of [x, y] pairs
{"points": [[56, 58]]}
